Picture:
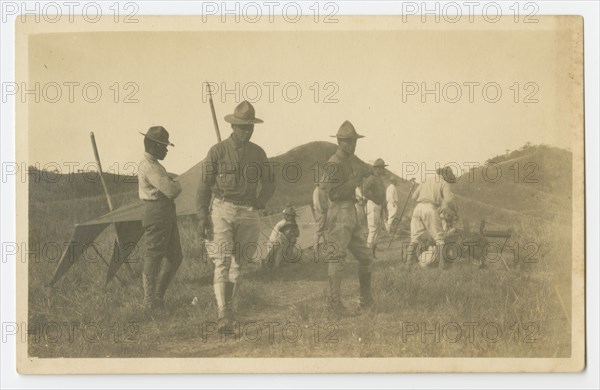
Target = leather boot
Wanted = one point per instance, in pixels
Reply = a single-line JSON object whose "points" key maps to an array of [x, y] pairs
{"points": [[366, 299], [230, 292], [223, 314], [164, 279], [335, 307], [410, 253]]}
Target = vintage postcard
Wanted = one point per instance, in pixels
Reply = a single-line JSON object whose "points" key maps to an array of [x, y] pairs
{"points": [[299, 194]]}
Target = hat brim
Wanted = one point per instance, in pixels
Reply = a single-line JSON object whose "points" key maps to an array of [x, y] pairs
{"points": [[157, 140], [380, 166], [350, 137], [234, 120]]}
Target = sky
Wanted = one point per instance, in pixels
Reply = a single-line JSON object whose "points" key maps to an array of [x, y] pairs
{"points": [[366, 77]]}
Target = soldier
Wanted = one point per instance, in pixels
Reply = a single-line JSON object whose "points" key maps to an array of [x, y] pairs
{"points": [[289, 216], [430, 196], [282, 250], [161, 235], [343, 229], [374, 192], [391, 196], [236, 174]]}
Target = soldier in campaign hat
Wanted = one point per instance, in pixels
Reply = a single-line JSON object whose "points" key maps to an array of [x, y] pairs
{"points": [[344, 232], [161, 234], [228, 204]]}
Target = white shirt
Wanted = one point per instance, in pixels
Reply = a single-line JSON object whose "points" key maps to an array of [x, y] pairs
{"points": [[320, 202], [153, 181], [275, 234], [391, 194]]}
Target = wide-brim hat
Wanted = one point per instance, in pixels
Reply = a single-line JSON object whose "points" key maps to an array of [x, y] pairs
{"points": [[243, 114], [158, 134], [346, 131], [447, 174], [379, 163]]}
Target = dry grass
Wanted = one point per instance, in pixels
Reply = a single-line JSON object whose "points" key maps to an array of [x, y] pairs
{"points": [[461, 307]]}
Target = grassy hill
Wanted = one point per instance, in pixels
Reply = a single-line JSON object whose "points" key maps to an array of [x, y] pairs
{"points": [[307, 157], [535, 181], [529, 301]]}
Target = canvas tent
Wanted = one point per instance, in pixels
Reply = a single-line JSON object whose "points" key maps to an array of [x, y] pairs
{"points": [[127, 220]]}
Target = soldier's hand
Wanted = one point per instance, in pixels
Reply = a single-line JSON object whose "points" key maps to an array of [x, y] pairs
{"points": [[205, 228]]}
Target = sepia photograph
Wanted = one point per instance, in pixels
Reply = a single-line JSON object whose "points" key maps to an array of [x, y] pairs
{"points": [[299, 194]]}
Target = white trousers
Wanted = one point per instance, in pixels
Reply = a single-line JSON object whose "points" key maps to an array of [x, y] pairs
{"points": [[373, 222]]}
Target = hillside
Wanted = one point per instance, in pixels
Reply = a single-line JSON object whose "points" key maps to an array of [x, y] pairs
{"points": [[531, 183], [531, 287], [307, 156], [534, 182], [51, 186], [296, 187]]}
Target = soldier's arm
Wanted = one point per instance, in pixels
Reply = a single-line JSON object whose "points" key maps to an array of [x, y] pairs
{"points": [[369, 189], [447, 193], [267, 187], [208, 179], [160, 180], [335, 187], [448, 198]]}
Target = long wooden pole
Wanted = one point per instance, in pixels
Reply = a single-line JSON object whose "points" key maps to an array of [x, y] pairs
{"points": [[412, 187], [110, 205], [212, 111]]}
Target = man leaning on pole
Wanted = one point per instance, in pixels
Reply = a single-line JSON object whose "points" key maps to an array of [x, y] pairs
{"points": [[237, 179], [344, 231]]}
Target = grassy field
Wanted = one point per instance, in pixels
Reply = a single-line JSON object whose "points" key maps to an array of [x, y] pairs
{"points": [[515, 307]]}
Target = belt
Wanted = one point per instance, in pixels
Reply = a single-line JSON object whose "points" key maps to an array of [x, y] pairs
{"points": [[235, 202], [158, 200]]}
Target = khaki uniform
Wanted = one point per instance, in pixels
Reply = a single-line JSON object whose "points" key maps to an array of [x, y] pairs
{"points": [[344, 231], [233, 174], [161, 234]]}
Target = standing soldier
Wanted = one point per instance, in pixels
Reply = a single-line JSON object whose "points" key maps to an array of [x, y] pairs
{"points": [[430, 196], [391, 197], [236, 176], [374, 192], [343, 229], [158, 191]]}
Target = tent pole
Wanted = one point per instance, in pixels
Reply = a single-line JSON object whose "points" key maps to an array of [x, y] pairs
{"points": [[213, 113], [106, 262], [110, 205]]}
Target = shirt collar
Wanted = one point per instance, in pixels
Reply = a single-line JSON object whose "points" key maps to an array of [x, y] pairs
{"points": [[236, 145]]}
